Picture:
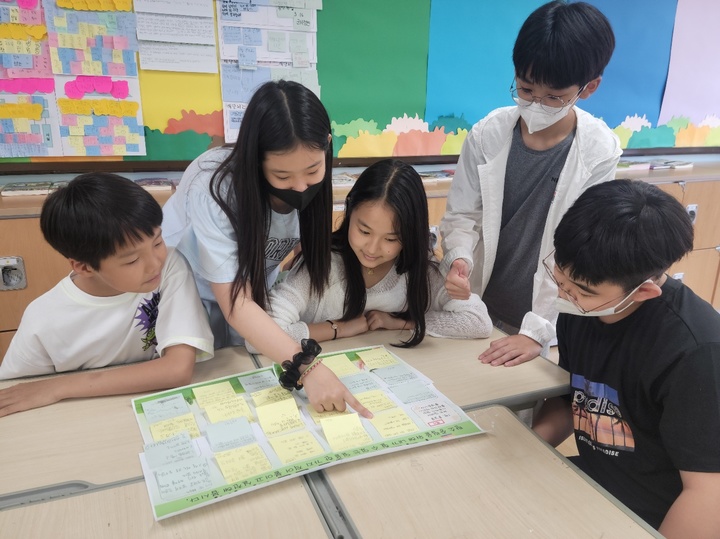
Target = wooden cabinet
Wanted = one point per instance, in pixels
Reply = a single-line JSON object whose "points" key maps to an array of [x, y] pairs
{"points": [[44, 267]]}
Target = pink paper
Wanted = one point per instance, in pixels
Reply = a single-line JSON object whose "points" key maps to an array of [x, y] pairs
{"points": [[107, 149], [8, 139], [31, 17], [27, 86], [69, 119], [103, 85], [27, 4], [120, 42], [90, 141], [106, 132], [120, 89], [53, 39], [116, 70], [72, 90], [118, 140], [107, 42], [76, 68], [113, 121], [85, 83]]}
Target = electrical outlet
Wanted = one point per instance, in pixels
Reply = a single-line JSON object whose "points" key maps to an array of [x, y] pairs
{"points": [[12, 273]]}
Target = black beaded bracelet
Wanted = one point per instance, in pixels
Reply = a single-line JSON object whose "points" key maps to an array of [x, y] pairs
{"points": [[290, 377]]}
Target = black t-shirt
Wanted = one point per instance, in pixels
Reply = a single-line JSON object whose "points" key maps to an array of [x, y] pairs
{"points": [[646, 397]]}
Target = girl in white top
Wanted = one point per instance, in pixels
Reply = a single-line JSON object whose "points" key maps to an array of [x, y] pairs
{"points": [[237, 213], [382, 274]]}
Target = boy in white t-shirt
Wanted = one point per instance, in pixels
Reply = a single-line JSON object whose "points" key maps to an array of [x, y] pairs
{"points": [[128, 299]]}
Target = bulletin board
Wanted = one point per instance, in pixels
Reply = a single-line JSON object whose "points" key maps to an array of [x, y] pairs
{"points": [[409, 78]]}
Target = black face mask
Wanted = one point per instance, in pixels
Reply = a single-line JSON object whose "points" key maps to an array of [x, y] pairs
{"points": [[296, 199]]}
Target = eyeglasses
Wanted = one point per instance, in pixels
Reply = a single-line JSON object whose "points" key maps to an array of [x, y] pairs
{"points": [[551, 104], [550, 259]]}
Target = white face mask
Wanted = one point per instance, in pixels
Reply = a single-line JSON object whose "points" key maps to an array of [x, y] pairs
{"points": [[568, 307], [537, 119], [563, 305]]}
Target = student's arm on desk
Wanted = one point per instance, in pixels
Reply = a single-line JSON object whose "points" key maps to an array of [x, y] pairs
{"points": [[695, 512], [324, 390], [554, 421], [174, 368]]}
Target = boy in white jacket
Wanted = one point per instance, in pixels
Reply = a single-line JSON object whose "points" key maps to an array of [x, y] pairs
{"points": [[520, 169]]}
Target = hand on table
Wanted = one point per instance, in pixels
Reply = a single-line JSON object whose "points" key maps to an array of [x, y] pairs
{"points": [[27, 396], [457, 282], [510, 351], [326, 392], [383, 320]]}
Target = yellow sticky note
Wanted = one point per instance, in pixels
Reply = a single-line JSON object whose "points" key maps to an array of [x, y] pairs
{"points": [[242, 462], [279, 417], [213, 393], [270, 395], [121, 130], [345, 432], [173, 426], [317, 416], [296, 446], [375, 400], [228, 409], [393, 423], [117, 56], [340, 365], [21, 125], [60, 22], [76, 130], [12, 110], [132, 138], [377, 358]]}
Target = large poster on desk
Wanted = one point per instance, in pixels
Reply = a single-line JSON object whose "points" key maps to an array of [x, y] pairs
{"points": [[230, 436]]}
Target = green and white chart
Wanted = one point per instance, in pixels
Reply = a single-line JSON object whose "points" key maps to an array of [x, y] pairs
{"points": [[226, 437]]}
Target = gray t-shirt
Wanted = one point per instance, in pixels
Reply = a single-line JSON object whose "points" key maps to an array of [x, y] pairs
{"points": [[530, 181]]}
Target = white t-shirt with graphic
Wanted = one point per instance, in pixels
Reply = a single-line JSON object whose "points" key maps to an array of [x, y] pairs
{"points": [[67, 329]]}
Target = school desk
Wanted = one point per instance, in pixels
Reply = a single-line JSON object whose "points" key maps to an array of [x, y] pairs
{"points": [[453, 367], [77, 444], [503, 483], [282, 510]]}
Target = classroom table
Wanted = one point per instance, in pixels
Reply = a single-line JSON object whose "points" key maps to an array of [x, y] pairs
{"points": [[282, 510], [453, 367], [77, 444], [505, 482]]}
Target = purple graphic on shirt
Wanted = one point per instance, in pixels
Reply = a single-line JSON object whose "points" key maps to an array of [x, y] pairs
{"points": [[147, 314]]}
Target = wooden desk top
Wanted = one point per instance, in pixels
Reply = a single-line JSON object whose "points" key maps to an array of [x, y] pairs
{"points": [[96, 440], [453, 367], [504, 483], [125, 512]]}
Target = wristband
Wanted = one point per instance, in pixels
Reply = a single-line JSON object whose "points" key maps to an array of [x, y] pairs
{"points": [[334, 326], [314, 364], [290, 377]]}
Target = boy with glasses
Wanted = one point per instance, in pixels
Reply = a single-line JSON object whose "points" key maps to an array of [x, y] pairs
{"points": [[520, 168], [643, 352]]}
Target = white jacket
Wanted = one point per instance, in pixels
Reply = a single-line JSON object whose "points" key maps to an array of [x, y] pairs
{"points": [[471, 226]]}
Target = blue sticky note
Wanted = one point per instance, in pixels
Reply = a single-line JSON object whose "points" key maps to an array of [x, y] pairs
{"points": [[100, 121], [6, 60], [164, 407], [263, 379], [4, 14], [238, 85], [134, 148], [252, 36], [247, 56], [131, 69], [106, 140], [35, 129], [174, 449], [413, 392], [38, 100], [64, 131], [92, 130], [47, 134], [226, 435], [232, 35], [93, 151]]}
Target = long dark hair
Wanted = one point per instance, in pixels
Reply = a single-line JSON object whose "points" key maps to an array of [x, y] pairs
{"points": [[399, 186], [280, 117]]}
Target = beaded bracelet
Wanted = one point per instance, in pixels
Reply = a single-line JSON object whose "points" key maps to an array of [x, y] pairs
{"points": [[290, 377], [314, 364]]}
